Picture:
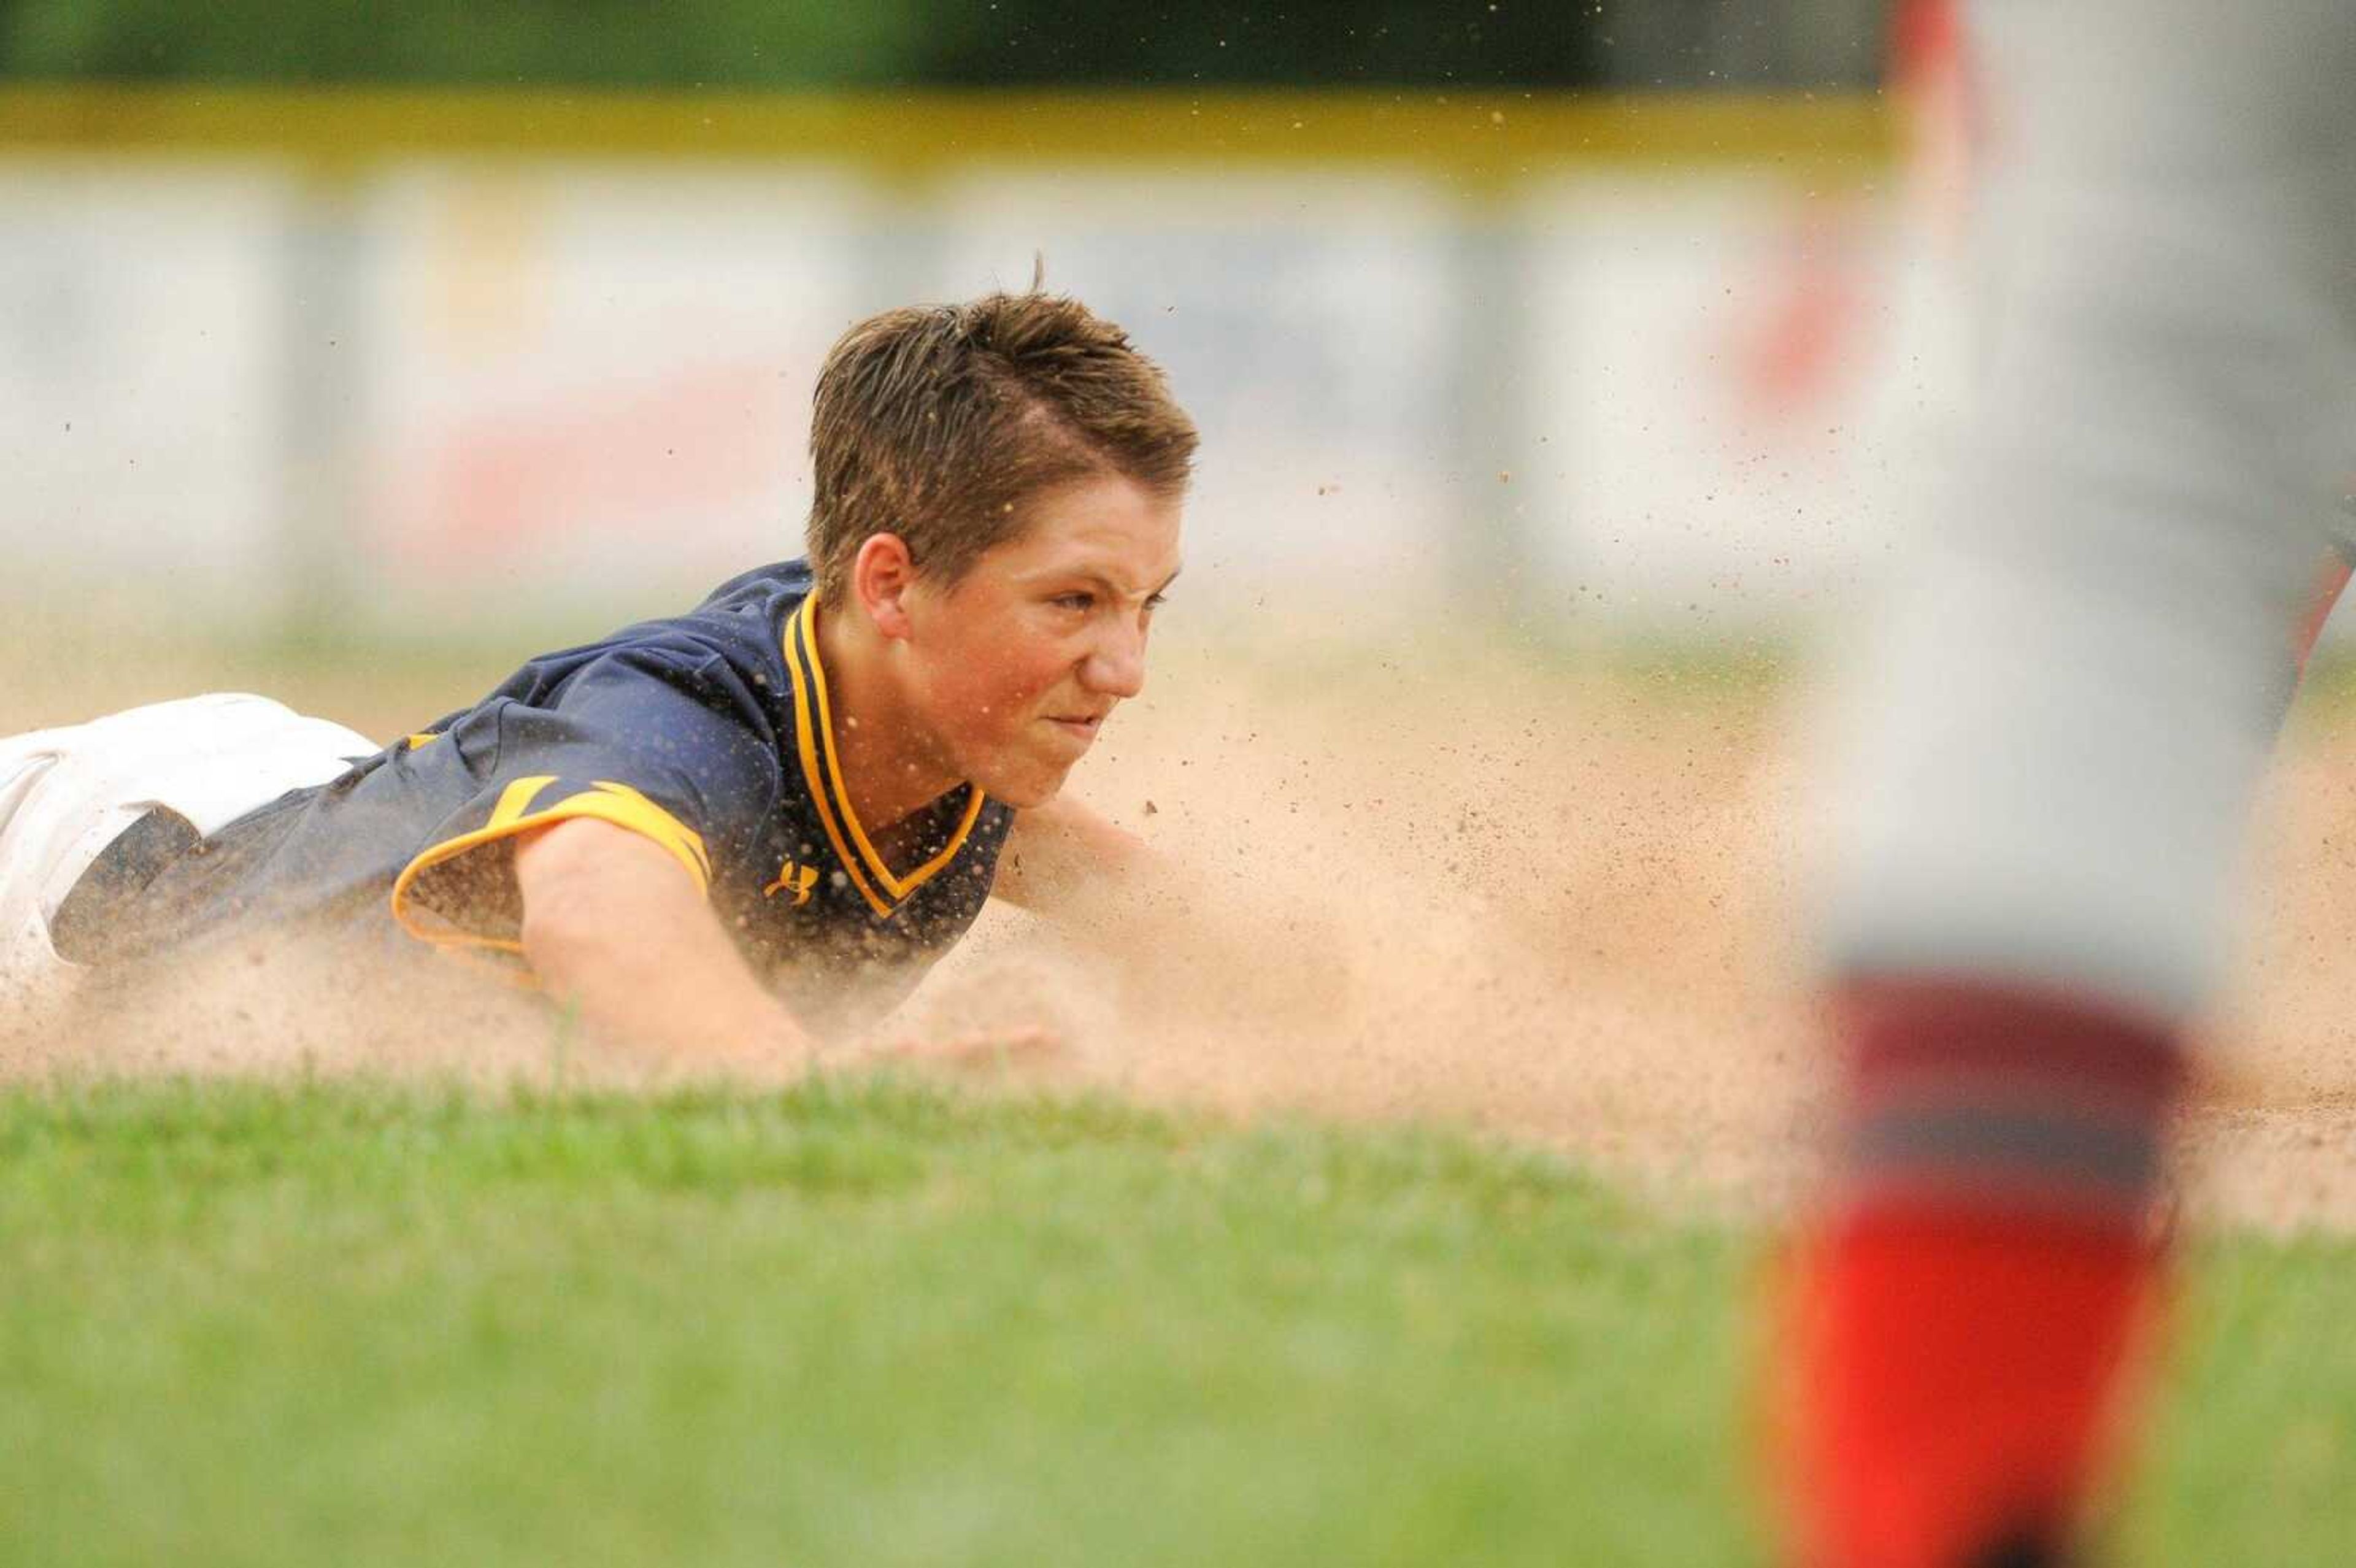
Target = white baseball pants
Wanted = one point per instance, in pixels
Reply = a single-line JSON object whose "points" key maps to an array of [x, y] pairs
{"points": [[67, 794]]}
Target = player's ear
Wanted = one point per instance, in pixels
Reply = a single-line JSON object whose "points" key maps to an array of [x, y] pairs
{"points": [[881, 575]]}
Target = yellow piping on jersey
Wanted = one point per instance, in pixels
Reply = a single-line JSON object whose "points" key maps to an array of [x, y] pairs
{"points": [[803, 722], [424, 737], [900, 888], [816, 719], [606, 801]]}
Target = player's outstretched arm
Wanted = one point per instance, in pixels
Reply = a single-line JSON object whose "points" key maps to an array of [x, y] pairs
{"points": [[1065, 863], [614, 927], [1166, 933]]}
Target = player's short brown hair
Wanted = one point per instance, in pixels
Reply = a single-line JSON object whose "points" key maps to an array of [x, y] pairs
{"points": [[936, 422]]}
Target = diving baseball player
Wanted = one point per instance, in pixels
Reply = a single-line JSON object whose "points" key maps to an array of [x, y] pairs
{"points": [[720, 832]]}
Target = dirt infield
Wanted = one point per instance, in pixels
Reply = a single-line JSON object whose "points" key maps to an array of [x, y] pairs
{"points": [[1559, 907]]}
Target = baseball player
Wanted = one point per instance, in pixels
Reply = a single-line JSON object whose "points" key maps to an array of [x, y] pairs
{"points": [[2051, 743], [719, 833]]}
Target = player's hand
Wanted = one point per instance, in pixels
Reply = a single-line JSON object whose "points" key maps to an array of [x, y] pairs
{"points": [[1027, 1045]]}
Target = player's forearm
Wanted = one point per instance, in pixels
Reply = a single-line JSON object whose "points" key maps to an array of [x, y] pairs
{"points": [[682, 997], [624, 938]]}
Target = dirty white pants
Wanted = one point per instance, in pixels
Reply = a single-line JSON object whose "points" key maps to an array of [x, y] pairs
{"points": [[67, 794]]}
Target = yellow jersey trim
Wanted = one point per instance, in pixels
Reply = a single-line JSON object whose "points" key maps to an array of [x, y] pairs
{"points": [[898, 887], [803, 722], [605, 800], [814, 737]]}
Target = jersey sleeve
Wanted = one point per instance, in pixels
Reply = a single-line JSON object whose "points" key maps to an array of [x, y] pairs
{"points": [[664, 745]]}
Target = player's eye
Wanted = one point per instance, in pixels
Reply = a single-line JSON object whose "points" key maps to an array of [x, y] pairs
{"points": [[1154, 601], [1078, 602]]}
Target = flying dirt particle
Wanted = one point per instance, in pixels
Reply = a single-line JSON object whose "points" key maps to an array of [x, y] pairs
{"points": [[1151, 809]]}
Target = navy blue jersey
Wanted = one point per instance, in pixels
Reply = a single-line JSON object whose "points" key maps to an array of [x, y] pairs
{"points": [[710, 734]]}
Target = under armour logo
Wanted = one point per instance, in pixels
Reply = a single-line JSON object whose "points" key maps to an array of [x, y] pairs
{"points": [[798, 879]]}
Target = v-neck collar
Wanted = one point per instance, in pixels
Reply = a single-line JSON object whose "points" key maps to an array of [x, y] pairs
{"points": [[814, 740]]}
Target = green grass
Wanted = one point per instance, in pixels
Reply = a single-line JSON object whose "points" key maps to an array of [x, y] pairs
{"points": [[865, 1326], [871, 1324], [2254, 1459]]}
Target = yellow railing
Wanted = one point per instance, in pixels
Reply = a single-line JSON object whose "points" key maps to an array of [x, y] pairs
{"points": [[1478, 139]]}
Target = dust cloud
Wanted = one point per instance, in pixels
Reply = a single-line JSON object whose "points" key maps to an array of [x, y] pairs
{"points": [[1545, 906], [1557, 906]]}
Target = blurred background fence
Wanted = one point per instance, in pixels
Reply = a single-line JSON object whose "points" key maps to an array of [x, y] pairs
{"points": [[1561, 325]]}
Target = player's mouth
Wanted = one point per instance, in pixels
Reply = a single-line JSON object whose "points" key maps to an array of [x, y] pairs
{"points": [[1080, 727]]}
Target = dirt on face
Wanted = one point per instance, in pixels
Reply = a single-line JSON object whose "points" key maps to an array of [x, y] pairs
{"points": [[1561, 908]]}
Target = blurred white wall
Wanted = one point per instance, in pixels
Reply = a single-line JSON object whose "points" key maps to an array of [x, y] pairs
{"points": [[1683, 399], [141, 320]]}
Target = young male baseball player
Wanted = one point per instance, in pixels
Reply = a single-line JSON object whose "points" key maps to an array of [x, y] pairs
{"points": [[717, 833], [2054, 740]]}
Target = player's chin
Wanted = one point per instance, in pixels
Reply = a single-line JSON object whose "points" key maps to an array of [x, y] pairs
{"points": [[1026, 793], [1024, 781]]}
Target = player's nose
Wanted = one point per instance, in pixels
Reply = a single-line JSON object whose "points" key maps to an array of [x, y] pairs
{"points": [[1116, 666]]}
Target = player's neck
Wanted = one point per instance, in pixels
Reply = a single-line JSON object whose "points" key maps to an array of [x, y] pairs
{"points": [[890, 769]]}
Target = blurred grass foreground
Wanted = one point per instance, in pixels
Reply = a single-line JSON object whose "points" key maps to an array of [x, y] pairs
{"points": [[864, 1323], [857, 1324]]}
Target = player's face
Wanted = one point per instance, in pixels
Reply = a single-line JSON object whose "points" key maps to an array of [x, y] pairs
{"points": [[1018, 664]]}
